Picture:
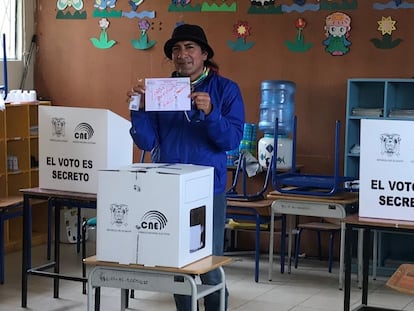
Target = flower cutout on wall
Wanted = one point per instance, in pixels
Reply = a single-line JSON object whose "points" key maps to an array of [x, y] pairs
{"points": [[299, 44], [102, 42], [142, 43], [386, 26], [241, 30]]}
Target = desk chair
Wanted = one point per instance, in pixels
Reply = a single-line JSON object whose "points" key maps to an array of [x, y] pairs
{"points": [[308, 184], [318, 227], [252, 208], [9, 208], [256, 212], [232, 193]]}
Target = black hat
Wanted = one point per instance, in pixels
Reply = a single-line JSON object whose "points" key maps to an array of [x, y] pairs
{"points": [[188, 32]]}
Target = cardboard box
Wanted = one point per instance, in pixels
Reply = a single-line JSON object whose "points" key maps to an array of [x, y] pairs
{"points": [[155, 214], [386, 187], [74, 143]]}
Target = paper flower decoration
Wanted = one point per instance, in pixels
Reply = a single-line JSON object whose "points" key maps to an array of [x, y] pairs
{"points": [[102, 42], [143, 43], [241, 30], [299, 45], [386, 26]]}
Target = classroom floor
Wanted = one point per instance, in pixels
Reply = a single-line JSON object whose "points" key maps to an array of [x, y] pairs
{"points": [[308, 288]]}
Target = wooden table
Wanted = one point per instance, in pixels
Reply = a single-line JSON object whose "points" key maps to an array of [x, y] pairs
{"points": [[57, 199], [367, 224], [156, 279], [10, 207], [337, 206]]}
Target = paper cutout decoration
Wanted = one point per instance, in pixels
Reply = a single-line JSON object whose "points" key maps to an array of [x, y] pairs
{"points": [[299, 45], [102, 42], [104, 4], [62, 5], [143, 43], [395, 5], [300, 8], [167, 94], [224, 7], [105, 8], [337, 27], [134, 4], [264, 7], [330, 5], [183, 6], [140, 15], [386, 26], [97, 13], [241, 30]]}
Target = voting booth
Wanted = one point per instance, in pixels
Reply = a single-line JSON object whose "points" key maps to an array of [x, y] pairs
{"points": [[74, 143], [155, 214], [387, 169]]}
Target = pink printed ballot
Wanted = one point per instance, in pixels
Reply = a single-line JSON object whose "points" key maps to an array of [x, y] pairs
{"points": [[167, 94]]}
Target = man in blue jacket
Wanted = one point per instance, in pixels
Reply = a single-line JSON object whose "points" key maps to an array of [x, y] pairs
{"points": [[200, 136]]}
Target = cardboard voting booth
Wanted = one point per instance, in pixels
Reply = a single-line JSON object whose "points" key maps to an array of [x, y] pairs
{"points": [[74, 143], [387, 169], [155, 214]]}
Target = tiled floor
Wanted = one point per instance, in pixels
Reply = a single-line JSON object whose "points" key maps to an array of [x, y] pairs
{"points": [[308, 288]]}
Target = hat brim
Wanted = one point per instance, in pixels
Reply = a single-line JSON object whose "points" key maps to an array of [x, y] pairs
{"points": [[170, 43]]}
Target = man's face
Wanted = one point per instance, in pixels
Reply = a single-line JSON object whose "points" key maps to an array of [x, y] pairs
{"points": [[188, 58]]}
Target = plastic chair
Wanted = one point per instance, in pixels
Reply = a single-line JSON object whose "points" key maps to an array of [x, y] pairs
{"points": [[318, 227]]}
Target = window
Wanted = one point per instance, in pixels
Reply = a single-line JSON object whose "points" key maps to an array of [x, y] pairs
{"points": [[11, 26]]}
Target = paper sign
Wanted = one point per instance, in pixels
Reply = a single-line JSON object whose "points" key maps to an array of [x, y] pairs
{"points": [[167, 94], [387, 169]]}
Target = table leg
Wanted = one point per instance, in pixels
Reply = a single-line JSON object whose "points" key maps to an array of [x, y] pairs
{"points": [[365, 267], [271, 242], [124, 299], [57, 250], [283, 244], [360, 256], [341, 256], [26, 245], [348, 260], [289, 231], [222, 290]]}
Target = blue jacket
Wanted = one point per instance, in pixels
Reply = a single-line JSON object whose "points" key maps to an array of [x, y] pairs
{"points": [[191, 137]]}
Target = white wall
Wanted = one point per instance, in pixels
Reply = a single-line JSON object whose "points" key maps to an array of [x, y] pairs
{"points": [[15, 68]]}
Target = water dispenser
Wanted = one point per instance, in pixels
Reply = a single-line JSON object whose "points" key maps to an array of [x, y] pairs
{"points": [[277, 102]]}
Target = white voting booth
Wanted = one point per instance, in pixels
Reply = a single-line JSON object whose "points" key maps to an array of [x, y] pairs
{"points": [[74, 143], [387, 169]]}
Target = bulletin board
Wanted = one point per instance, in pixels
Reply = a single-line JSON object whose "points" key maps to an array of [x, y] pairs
{"points": [[90, 55]]}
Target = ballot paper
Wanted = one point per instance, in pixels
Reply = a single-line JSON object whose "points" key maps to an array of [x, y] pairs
{"points": [[167, 94]]}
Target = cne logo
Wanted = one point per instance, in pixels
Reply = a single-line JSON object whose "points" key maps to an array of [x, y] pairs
{"points": [[153, 220], [83, 131]]}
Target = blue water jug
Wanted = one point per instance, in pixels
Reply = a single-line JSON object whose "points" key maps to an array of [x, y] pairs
{"points": [[278, 101]]}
